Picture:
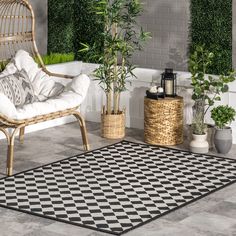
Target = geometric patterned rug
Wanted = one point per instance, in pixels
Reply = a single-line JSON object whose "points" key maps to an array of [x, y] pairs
{"points": [[116, 188]]}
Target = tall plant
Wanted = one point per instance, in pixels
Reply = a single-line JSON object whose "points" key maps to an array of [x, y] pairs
{"points": [[122, 36], [206, 88]]}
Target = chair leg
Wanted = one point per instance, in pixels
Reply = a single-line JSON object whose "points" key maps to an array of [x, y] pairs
{"points": [[21, 135], [10, 152], [10, 158], [83, 132], [84, 136]]}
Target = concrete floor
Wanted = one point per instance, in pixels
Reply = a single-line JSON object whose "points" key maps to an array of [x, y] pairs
{"points": [[214, 215]]}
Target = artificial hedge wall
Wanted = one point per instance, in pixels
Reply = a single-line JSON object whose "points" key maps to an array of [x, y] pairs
{"points": [[71, 23], [86, 25], [60, 26], [211, 26]]}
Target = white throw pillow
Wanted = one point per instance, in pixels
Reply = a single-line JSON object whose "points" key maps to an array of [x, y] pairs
{"points": [[79, 85], [7, 108]]}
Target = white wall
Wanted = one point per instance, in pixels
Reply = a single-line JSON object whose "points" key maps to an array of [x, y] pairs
{"points": [[132, 99]]}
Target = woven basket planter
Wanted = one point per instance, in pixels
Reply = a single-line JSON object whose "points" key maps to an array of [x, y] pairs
{"points": [[113, 126], [163, 121]]}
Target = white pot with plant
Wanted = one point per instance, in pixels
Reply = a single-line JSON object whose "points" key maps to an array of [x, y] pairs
{"points": [[199, 143], [207, 89], [122, 37], [223, 116]]}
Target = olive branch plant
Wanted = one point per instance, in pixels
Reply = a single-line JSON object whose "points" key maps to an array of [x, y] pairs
{"points": [[207, 89]]}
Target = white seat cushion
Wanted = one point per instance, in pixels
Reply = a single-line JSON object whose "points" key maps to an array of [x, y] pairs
{"points": [[72, 97], [64, 101], [46, 88], [7, 108]]}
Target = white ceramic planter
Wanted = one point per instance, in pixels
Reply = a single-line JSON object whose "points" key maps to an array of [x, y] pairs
{"points": [[199, 144]]}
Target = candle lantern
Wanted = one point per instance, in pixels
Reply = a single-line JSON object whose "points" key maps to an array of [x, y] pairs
{"points": [[169, 83]]}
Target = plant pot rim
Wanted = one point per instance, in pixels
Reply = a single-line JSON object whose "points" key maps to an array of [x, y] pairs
{"points": [[208, 125], [225, 128], [112, 114], [200, 134]]}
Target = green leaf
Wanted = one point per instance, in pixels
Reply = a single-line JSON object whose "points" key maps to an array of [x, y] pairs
{"points": [[223, 115], [225, 88]]}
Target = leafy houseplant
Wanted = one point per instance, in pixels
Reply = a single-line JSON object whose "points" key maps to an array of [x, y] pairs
{"points": [[223, 115], [122, 37], [206, 88]]}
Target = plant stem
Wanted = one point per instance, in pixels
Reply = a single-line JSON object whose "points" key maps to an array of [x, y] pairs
{"points": [[109, 99], [116, 102], [209, 105], [115, 68]]}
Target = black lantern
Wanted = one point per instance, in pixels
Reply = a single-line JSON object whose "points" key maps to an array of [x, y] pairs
{"points": [[169, 83]]}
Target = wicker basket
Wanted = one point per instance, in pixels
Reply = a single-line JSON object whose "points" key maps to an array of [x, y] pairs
{"points": [[113, 126], [163, 121]]}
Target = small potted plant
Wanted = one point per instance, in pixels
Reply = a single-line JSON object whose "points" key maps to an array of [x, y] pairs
{"points": [[222, 116], [207, 89]]}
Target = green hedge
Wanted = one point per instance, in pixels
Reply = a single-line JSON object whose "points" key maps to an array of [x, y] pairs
{"points": [[55, 58], [60, 26], [71, 23], [87, 27], [211, 26]]}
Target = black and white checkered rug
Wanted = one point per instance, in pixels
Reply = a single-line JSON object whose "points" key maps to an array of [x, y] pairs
{"points": [[116, 188]]}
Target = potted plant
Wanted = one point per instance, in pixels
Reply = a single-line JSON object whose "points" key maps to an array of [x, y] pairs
{"points": [[122, 37], [222, 116], [206, 91]]}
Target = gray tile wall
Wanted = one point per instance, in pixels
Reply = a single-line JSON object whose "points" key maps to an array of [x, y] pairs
{"points": [[166, 19], [41, 15], [168, 22]]}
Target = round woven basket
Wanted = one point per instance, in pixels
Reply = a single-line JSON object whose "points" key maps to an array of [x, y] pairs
{"points": [[113, 126], [163, 121]]}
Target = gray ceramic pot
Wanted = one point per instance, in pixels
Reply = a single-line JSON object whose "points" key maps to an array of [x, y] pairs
{"points": [[223, 140]]}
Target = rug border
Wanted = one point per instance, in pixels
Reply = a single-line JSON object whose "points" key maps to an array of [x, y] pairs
{"points": [[122, 141], [136, 226], [176, 149], [61, 220]]}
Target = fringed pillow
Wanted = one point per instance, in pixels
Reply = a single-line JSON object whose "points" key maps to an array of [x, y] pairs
{"points": [[18, 88]]}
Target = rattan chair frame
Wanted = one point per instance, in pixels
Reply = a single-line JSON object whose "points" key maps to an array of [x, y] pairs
{"points": [[17, 31]]}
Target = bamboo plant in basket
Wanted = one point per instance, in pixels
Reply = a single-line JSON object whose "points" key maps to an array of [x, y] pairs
{"points": [[122, 36]]}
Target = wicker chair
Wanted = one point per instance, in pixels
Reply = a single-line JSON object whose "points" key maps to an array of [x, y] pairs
{"points": [[17, 31]]}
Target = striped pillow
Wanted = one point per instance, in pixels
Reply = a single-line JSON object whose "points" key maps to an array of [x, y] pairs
{"points": [[18, 88]]}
